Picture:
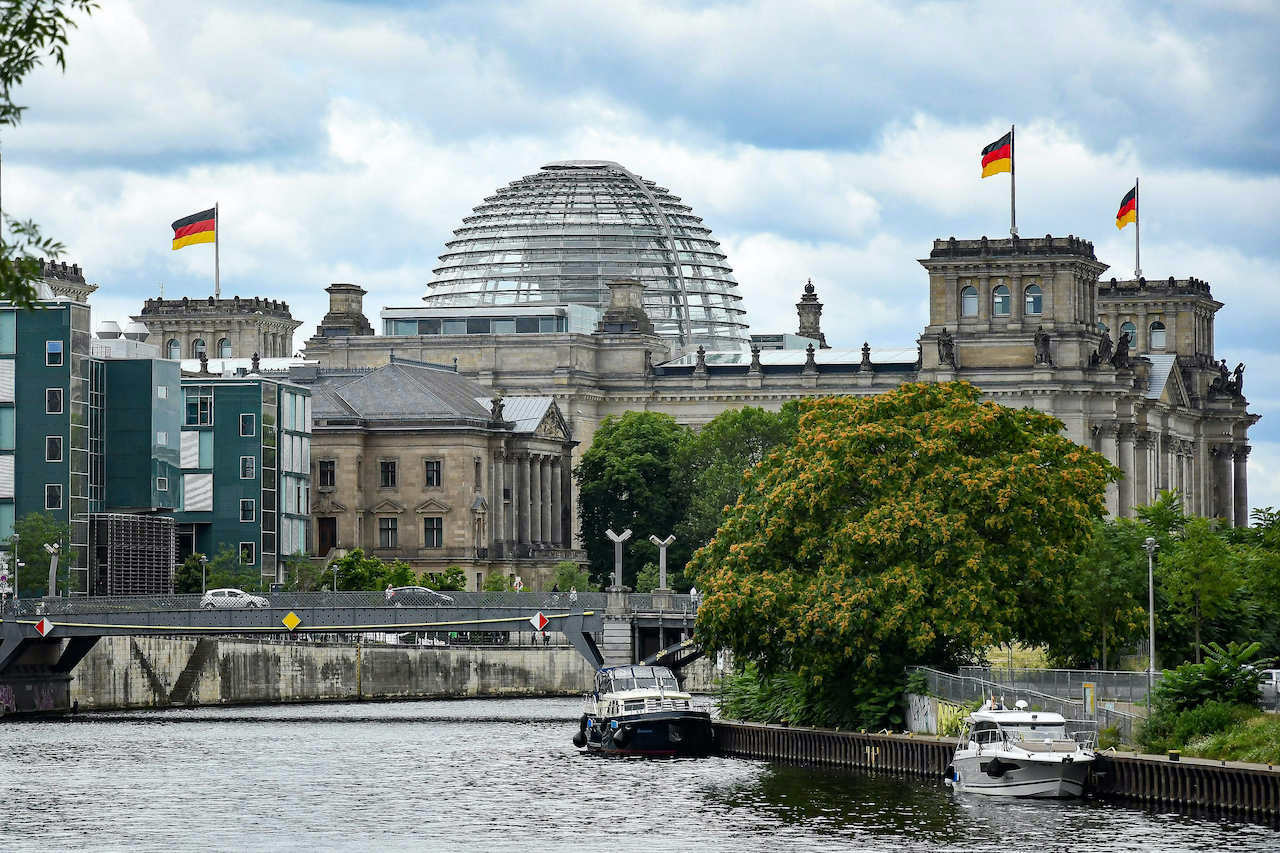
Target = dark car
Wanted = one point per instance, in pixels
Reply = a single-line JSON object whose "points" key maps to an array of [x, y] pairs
{"points": [[416, 596]]}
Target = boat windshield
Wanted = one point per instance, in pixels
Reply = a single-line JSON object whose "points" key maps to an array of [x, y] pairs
{"points": [[1037, 732], [643, 678]]}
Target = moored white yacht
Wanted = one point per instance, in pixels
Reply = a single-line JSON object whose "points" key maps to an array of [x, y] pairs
{"points": [[641, 710], [1013, 752]]}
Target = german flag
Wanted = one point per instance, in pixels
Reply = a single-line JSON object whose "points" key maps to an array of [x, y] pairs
{"points": [[199, 227], [1128, 209], [998, 156]]}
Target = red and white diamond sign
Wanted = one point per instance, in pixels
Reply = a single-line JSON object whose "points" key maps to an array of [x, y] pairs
{"points": [[44, 626], [539, 621]]}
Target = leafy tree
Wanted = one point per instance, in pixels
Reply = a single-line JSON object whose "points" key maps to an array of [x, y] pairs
{"points": [[570, 575], [1199, 574], [1227, 675], [647, 578], [713, 460], [916, 526], [33, 531], [226, 570], [187, 579], [496, 581], [303, 574], [628, 478], [452, 578], [31, 31], [1108, 588]]}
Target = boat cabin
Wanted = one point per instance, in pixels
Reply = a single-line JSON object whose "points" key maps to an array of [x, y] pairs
{"points": [[622, 679]]}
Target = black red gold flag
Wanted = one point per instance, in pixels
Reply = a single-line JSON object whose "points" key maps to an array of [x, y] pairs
{"points": [[998, 156], [1128, 209], [199, 227]]}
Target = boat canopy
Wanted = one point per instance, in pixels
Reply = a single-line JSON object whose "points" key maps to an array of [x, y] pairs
{"points": [[619, 678]]}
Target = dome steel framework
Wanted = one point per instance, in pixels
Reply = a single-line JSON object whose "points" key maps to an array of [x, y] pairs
{"points": [[559, 235]]}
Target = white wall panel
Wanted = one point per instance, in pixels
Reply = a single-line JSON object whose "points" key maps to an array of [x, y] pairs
{"points": [[190, 453], [6, 475], [197, 492], [6, 380]]}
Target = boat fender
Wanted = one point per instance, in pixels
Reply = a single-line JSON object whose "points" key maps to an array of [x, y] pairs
{"points": [[622, 735], [580, 739], [583, 723]]}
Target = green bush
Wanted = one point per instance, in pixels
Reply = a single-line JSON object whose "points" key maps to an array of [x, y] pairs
{"points": [[789, 698], [1225, 677], [1254, 739], [1175, 729]]}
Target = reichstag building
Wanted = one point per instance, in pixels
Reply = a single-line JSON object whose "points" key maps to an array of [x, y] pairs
{"points": [[593, 287]]}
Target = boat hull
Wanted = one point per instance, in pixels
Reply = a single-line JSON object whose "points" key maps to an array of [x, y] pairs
{"points": [[1019, 776], [659, 733]]}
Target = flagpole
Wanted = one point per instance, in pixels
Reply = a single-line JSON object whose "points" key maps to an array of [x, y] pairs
{"points": [[217, 238], [1137, 233], [1013, 208]]}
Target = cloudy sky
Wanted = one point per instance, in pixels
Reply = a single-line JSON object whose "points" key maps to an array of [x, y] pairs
{"points": [[829, 139]]}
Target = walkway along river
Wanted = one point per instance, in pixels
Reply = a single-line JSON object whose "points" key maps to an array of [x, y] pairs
{"points": [[493, 775]]}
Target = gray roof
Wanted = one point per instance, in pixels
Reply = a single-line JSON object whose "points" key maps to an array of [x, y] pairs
{"points": [[525, 412], [398, 391], [1162, 367]]}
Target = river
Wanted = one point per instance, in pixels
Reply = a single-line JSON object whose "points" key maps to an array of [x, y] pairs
{"points": [[492, 775]]}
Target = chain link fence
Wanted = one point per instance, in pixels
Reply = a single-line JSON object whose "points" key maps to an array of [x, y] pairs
{"points": [[1110, 685]]}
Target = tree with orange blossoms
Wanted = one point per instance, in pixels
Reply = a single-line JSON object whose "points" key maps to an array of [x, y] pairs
{"points": [[917, 526]]}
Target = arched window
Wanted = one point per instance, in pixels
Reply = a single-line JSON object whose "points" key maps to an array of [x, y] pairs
{"points": [[969, 301], [173, 349], [1103, 327], [1000, 302], [1035, 299], [198, 347], [1157, 335], [1132, 330], [224, 348]]}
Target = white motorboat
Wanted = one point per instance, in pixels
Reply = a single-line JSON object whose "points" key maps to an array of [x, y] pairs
{"points": [[1013, 752], [641, 710]]}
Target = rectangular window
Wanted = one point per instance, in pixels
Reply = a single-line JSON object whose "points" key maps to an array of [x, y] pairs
{"points": [[8, 332], [53, 496], [387, 532], [327, 473], [247, 425], [432, 531], [162, 484], [162, 438], [428, 327], [478, 326], [526, 324], [53, 353], [248, 553], [548, 324], [453, 327], [478, 470], [53, 448], [248, 512], [199, 405], [504, 327], [6, 517], [162, 392], [53, 401], [248, 467], [8, 434], [433, 473], [387, 473]]}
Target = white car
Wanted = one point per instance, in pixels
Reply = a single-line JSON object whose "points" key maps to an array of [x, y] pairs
{"points": [[219, 598]]}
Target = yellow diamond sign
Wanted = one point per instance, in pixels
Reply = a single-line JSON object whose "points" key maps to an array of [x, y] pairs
{"points": [[291, 620]]}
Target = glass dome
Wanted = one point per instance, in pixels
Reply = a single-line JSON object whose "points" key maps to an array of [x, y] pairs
{"points": [[559, 235]]}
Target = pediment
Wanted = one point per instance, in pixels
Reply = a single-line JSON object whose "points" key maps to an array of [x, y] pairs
{"points": [[431, 506], [552, 425], [326, 505], [387, 507], [479, 506], [1175, 390]]}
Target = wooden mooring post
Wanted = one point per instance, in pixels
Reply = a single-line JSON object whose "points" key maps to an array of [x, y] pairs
{"points": [[1250, 791]]}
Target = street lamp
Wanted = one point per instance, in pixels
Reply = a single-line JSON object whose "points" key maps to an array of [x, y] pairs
{"points": [[204, 562], [1151, 546]]}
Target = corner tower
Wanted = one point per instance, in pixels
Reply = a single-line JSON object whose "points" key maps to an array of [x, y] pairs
{"points": [[810, 311]]}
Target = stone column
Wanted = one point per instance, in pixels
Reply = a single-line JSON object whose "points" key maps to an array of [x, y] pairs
{"points": [[557, 528], [1240, 459], [522, 499], [566, 500], [1124, 449], [1105, 434], [546, 499], [498, 509], [1141, 468], [535, 499]]}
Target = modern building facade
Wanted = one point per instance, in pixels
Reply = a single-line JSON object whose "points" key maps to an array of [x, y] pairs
{"points": [[245, 458], [414, 462]]}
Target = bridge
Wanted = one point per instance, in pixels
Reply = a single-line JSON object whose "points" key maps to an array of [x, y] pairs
{"points": [[42, 639]]}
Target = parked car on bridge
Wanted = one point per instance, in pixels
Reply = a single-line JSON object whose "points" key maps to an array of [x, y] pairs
{"points": [[416, 596], [219, 598]]}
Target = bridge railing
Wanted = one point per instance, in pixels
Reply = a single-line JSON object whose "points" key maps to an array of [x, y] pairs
{"points": [[28, 607]]}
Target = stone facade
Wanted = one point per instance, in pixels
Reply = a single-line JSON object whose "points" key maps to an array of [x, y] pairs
{"points": [[223, 328], [1019, 318], [414, 462]]}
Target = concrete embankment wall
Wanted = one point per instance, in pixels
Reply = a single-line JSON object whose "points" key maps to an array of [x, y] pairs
{"points": [[1224, 787], [146, 672]]}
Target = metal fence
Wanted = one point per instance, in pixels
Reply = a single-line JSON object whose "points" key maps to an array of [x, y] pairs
{"points": [[1110, 685], [967, 688]]}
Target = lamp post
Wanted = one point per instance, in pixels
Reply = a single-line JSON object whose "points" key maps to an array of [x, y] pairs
{"points": [[1151, 546], [204, 562]]}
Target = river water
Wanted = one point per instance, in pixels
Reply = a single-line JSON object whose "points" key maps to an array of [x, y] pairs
{"points": [[493, 775]]}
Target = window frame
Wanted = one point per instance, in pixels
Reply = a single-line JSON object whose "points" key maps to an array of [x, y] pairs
{"points": [[384, 481], [224, 348], [965, 293], [53, 441], [162, 484], [253, 425], [62, 408], [173, 349], [438, 531], [47, 487], [997, 297], [1152, 331], [427, 472], [198, 346], [253, 467], [388, 531], [50, 350], [332, 472], [252, 549], [1038, 297], [252, 506]]}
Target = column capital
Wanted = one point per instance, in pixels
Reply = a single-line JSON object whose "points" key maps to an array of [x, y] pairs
{"points": [[1240, 452]]}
